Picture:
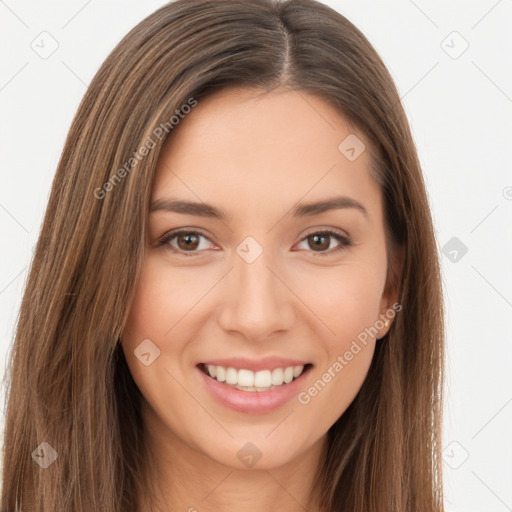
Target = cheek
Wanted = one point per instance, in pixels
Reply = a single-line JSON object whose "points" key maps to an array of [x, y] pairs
{"points": [[345, 299], [335, 386], [349, 306], [160, 302], [155, 309], [162, 299]]}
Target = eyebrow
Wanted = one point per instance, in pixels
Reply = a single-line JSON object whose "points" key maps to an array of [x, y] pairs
{"points": [[301, 210]]}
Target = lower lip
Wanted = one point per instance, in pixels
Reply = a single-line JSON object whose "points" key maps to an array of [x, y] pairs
{"points": [[255, 402]]}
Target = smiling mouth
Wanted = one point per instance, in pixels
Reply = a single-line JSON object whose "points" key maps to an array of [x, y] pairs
{"points": [[247, 380]]}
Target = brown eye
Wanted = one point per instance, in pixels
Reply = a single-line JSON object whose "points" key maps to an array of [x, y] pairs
{"points": [[188, 243], [320, 241]]}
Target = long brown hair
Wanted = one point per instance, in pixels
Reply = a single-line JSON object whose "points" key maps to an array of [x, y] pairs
{"points": [[69, 384]]}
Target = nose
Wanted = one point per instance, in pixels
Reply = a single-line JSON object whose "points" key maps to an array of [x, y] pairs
{"points": [[256, 302]]}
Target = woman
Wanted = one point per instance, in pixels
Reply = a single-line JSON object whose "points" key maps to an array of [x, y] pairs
{"points": [[235, 299]]}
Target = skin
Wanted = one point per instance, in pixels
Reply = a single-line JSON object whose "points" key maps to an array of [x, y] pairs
{"points": [[255, 158]]}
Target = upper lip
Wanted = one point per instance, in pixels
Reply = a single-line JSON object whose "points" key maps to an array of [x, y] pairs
{"points": [[266, 363]]}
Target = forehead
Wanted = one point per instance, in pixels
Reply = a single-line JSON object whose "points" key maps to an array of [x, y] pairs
{"points": [[253, 149]]}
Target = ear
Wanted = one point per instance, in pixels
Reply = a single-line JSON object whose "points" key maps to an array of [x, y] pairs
{"points": [[389, 304]]}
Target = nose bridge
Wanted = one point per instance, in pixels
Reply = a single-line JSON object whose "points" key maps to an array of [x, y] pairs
{"points": [[256, 302]]}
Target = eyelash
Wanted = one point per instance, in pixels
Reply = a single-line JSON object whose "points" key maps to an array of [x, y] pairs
{"points": [[344, 240]]}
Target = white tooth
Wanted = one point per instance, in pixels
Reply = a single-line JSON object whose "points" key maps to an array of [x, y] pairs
{"points": [[248, 380], [250, 388], [297, 370], [231, 376], [221, 374], [277, 377], [262, 379], [245, 378], [288, 374]]}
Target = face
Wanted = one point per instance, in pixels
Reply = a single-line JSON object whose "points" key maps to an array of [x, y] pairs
{"points": [[253, 284]]}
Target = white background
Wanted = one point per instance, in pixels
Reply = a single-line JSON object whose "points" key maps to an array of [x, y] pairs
{"points": [[460, 113]]}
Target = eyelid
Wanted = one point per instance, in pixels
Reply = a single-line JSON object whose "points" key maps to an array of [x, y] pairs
{"points": [[331, 231]]}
